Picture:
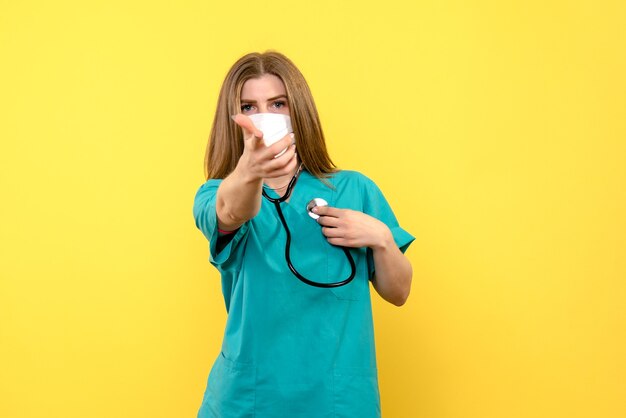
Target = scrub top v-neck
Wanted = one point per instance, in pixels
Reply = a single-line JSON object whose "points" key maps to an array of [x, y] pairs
{"points": [[290, 349]]}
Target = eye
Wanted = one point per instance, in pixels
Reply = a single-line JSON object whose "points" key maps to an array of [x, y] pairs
{"points": [[279, 104], [246, 107]]}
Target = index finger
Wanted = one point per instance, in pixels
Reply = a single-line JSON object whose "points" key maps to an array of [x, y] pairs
{"points": [[246, 123]]}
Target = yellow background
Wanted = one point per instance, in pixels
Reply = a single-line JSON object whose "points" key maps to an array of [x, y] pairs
{"points": [[496, 129]]}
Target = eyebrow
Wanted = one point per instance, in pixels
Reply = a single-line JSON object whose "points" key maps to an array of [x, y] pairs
{"points": [[282, 96]]}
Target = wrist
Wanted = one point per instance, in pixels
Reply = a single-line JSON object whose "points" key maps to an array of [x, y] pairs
{"points": [[385, 240], [245, 175]]}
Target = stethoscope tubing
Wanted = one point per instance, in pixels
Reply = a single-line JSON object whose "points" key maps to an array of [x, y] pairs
{"points": [[295, 272]]}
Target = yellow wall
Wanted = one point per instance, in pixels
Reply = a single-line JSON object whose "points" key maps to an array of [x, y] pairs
{"points": [[496, 129]]}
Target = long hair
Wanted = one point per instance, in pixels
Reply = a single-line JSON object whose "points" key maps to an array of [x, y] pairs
{"points": [[226, 139]]}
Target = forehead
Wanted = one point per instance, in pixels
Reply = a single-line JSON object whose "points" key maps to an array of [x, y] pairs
{"points": [[268, 85]]}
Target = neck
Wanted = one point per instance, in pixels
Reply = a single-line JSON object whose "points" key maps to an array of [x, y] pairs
{"points": [[280, 183], [277, 182]]}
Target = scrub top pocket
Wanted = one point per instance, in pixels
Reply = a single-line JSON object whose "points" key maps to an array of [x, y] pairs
{"points": [[231, 390], [311, 254], [339, 266], [356, 392]]}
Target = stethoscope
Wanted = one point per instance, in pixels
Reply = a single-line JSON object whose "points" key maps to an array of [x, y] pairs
{"points": [[309, 207]]}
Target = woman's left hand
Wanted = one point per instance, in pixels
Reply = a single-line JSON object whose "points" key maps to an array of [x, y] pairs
{"points": [[351, 228]]}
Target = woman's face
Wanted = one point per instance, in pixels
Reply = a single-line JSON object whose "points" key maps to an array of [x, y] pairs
{"points": [[265, 94]]}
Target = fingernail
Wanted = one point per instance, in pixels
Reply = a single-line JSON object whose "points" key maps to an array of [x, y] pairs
{"points": [[292, 135], [314, 210], [232, 117]]}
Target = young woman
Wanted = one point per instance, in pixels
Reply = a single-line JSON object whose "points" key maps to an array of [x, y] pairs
{"points": [[299, 338]]}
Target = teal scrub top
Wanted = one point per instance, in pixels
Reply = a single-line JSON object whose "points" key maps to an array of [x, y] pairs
{"points": [[291, 349]]}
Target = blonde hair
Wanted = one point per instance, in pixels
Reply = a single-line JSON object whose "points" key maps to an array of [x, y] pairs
{"points": [[226, 139]]}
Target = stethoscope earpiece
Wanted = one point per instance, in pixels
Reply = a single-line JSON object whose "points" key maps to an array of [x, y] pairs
{"points": [[318, 201]]}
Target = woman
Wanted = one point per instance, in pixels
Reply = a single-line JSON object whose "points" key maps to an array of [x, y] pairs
{"points": [[291, 349]]}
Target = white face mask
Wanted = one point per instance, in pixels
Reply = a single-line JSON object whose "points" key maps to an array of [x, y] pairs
{"points": [[273, 125]]}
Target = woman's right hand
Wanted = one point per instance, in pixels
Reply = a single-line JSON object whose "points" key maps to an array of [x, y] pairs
{"points": [[259, 161]]}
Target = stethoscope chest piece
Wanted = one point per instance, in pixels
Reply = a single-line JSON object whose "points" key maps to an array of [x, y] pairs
{"points": [[318, 201]]}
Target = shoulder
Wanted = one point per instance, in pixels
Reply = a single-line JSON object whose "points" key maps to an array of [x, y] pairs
{"points": [[351, 178], [206, 194], [209, 185]]}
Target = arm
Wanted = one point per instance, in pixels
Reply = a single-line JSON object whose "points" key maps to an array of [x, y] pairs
{"points": [[393, 274], [349, 228], [239, 194], [238, 199]]}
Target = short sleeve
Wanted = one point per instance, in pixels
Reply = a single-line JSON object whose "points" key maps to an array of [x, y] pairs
{"points": [[377, 206], [205, 215]]}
